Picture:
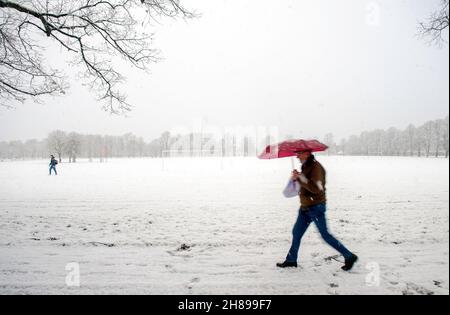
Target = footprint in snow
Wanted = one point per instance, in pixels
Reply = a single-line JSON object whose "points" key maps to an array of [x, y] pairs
{"points": [[102, 244], [412, 288], [183, 247], [190, 285], [334, 257]]}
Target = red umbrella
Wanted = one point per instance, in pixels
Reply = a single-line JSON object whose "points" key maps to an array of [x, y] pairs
{"points": [[290, 148]]}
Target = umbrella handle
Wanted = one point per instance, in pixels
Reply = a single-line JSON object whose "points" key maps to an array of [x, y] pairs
{"points": [[293, 163]]}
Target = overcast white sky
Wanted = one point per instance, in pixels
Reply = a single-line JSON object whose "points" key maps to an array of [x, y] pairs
{"points": [[309, 67]]}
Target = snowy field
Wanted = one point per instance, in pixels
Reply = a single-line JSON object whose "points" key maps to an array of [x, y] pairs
{"points": [[218, 226]]}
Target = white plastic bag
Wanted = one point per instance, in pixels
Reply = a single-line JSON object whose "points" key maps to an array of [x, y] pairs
{"points": [[292, 189]]}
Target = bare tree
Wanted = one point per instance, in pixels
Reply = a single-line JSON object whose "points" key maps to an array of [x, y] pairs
{"points": [[100, 148], [91, 31], [437, 130], [411, 134], [329, 141], [164, 142], [342, 147], [427, 129], [57, 143], [353, 146], [403, 143], [437, 23], [365, 138], [88, 146], [130, 141], [72, 146], [392, 141], [378, 141], [420, 140]]}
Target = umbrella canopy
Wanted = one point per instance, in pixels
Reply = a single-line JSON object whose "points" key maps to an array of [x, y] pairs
{"points": [[290, 148]]}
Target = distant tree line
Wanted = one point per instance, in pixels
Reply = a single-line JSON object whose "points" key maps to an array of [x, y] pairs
{"points": [[429, 139], [71, 146]]}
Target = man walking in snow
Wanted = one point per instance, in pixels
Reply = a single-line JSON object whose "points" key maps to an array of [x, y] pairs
{"points": [[313, 207], [52, 165]]}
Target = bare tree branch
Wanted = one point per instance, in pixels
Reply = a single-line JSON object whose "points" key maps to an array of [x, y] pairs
{"points": [[434, 27], [93, 32]]}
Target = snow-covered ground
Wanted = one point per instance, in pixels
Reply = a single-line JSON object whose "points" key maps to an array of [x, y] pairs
{"points": [[125, 221]]}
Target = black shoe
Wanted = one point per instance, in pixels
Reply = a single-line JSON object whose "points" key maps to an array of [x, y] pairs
{"points": [[349, 263], [287, 264]]}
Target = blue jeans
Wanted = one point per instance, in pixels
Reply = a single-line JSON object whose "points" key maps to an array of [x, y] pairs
{"points": [[315, 214], [52, 167]]}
